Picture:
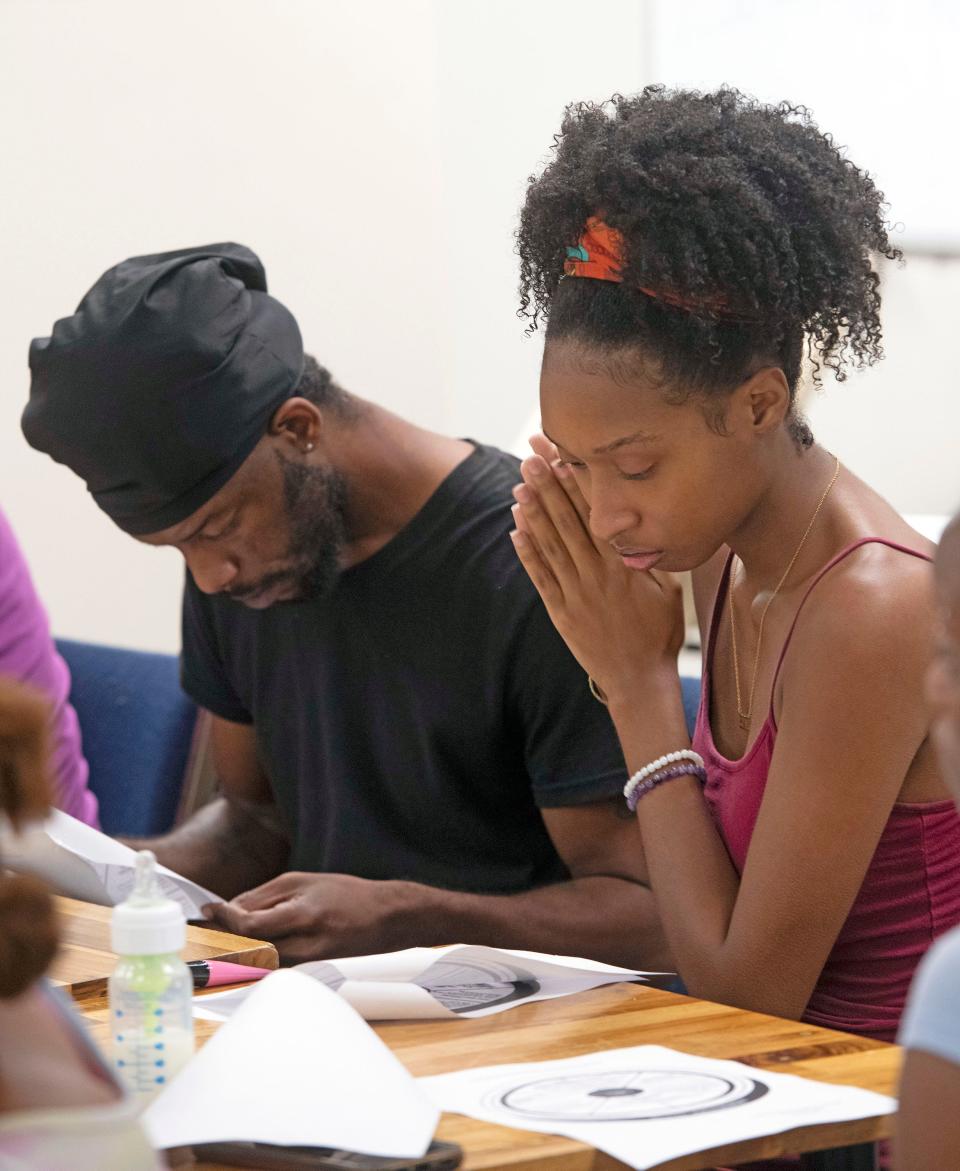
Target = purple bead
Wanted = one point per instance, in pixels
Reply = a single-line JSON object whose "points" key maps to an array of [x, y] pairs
{"points": [[685, 769]]}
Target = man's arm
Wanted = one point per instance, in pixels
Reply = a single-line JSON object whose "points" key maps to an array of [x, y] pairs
{"points": [[605, 911], [237, 841]]}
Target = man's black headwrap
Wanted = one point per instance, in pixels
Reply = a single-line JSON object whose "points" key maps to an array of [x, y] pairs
{"points": [[163, 381]]}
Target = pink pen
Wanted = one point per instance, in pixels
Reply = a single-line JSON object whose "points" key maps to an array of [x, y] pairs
{"points": [[213, 973]]}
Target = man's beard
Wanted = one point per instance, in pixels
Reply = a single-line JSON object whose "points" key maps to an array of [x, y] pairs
{"points": [[315, 499]]}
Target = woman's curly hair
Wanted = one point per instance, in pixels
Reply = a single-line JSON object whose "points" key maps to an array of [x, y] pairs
{"points": [[717, 197]]}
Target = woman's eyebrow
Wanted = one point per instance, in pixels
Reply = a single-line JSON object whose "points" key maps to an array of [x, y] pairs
{"points": [[623, 441]]}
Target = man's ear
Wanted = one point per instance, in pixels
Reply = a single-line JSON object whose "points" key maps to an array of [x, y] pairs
{"points": [[762, 402], [299, 423]]}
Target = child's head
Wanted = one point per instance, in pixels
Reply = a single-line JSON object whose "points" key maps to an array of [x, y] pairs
{"points": [[28, 935], [739, 231], [943, 677]]}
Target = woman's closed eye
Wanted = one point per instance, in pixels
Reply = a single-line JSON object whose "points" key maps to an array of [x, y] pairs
{"points": [[641, 475]]}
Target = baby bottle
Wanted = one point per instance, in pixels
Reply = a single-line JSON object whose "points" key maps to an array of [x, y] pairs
{"points": [[151, 988]]}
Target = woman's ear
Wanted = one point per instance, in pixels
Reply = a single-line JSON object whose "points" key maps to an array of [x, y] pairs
{"points": [[759, 404], [762, 402]]}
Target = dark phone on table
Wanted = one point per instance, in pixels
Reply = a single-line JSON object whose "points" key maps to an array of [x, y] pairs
{"points": [[267, 1157]]}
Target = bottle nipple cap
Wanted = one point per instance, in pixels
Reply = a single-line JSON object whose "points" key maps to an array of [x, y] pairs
{"points": [[145, 889], [147, 922]]}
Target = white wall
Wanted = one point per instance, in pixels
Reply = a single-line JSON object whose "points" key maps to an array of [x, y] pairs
{"points": [[373, 153], [898, 424], [878, 75]]}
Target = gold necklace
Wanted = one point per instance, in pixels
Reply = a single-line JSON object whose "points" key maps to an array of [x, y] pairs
{"points": [[745, 715]]}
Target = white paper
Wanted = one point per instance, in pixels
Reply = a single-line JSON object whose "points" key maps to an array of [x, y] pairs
{"points": [[647, 1105], [295, 1066], [422, 983], [82, 863]]}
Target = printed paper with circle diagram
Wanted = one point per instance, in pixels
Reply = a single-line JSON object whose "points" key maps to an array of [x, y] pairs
{"points": [[648, 1105]]}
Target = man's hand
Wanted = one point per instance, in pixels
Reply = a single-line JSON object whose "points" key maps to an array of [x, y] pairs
{"points": [[239, 839], [317, 916]]}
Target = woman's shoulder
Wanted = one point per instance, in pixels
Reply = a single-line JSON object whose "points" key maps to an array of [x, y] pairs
{"points": [[876, 566], [873, 613], [932, 1018], [874, 576], [868, 543], [874, 538]]}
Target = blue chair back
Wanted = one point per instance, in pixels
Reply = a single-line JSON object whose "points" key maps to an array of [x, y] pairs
{"points": [[690, 689], [137, 726]]}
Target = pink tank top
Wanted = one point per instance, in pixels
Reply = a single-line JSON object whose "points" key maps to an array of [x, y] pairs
{"points": [[910, 893]]}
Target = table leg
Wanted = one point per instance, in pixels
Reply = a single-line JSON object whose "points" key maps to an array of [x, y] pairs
{"points": [[859, 1158]]}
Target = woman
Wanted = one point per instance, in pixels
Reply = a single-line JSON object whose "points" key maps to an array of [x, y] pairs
{"points": [[684, 249]]}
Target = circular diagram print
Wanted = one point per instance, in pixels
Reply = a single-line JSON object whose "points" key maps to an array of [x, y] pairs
{"points": [[628, 1095]]}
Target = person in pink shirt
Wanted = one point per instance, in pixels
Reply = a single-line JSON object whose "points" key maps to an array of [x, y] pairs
{"points": [[27, 654], [686, 250]]}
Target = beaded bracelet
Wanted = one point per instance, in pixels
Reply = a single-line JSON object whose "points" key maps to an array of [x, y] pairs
{"points": [[662, 762], [688, 769]]}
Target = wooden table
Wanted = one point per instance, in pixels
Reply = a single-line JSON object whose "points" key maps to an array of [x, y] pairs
{"points": [[85, 959], [614, 1017]]}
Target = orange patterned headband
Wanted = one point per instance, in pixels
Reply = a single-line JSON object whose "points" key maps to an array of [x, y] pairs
{"points": [[600, 255]]}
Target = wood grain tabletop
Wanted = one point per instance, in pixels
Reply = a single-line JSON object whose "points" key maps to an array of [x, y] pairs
{"points": [[613, 1017], [85, 959]]}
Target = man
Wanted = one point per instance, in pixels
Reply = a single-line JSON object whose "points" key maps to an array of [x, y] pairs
{"points": [[406, 751]]}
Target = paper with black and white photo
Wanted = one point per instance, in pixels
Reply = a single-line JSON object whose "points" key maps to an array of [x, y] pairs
{"points": [[422, 983], [648, 1104], [83, 863]]}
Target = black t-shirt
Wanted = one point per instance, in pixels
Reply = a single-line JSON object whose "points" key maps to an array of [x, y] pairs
{"points": [[412, 722]]}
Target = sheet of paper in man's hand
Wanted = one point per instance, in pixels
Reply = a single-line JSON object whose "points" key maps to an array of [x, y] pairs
{"points": [[82, 863], [295, 1066], [423, 983]]}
